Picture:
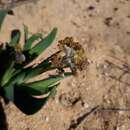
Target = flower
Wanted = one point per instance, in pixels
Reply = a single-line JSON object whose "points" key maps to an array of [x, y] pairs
{"points": [[71, 54], [19, 56]]}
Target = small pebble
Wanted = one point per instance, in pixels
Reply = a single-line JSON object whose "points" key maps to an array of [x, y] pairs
{"points": [[46, 119], [91, 7]]}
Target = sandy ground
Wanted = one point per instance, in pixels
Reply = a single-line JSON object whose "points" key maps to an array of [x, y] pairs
{"points": [[99, 97]]}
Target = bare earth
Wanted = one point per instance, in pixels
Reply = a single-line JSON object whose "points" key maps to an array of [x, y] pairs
{"points": [[99, 97]]}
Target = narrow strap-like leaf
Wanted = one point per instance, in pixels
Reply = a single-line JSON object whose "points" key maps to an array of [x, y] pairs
{"points": [[8, 74], [32, 72], [45, 82], [48, 81], [9, 87], [37, 91], [43, 44], [17, 79], [25, 33], [41, 68], [15, 37], [33, 38], [3, 13], [9, 92]]}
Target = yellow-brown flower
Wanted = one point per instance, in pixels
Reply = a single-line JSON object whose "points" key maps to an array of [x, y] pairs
{"points": [[71, 54]]}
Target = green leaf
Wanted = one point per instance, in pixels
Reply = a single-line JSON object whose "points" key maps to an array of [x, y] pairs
{"points": [[25, 33], [42, 67], [32, 72], [29, 42], [45, 82], [38, 85], [9, 87], [3, 13], [9, 73], [44, 43], [9, 92], [15, 37], [36, 91], [17, 79], [26, 103]]}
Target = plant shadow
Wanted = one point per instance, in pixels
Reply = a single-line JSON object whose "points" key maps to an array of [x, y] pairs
{"points": [[3, 120]]}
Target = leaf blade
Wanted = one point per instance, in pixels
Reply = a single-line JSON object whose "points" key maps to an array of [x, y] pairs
{"points": [[8, 74], [45, 43], [25, 28], [3, 13], [29, 42], [46, 83], [37, 91], [15, 37]]}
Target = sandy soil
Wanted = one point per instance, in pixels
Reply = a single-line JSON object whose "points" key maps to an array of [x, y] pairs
{"points": [[99, 97]]}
